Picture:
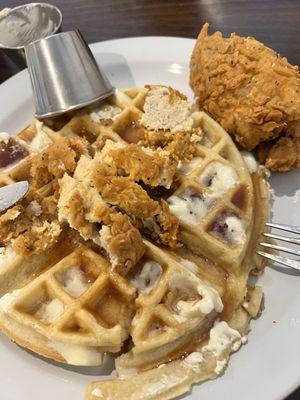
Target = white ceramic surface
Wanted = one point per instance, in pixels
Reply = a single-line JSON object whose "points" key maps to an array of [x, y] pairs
{"points": [[268, 367]]}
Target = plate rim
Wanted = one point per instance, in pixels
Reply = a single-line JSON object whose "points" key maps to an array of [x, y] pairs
{"points": [[292, 387]]}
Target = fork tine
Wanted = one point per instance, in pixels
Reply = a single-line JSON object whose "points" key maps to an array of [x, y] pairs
{"points": [[281, 260], [280, 248], [288, 228], [283, 238]]}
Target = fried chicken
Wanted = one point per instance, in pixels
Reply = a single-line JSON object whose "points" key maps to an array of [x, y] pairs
{"points": [[133, 200], [82, 207], [252, 92], [28, 230], [58, 158], [123, 243], [153, 167], [124, 194]]}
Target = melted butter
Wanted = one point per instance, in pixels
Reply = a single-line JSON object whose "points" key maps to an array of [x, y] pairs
{"points": [[189, 207], [48, 312], [148, 277], [74, 281], [76, 354], [218, 177], [250, 161], [107, 111], [7, 254], [230, 229], [40, 140]]}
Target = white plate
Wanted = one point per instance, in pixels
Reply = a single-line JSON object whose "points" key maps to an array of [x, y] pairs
{"points": [[267, 368]]}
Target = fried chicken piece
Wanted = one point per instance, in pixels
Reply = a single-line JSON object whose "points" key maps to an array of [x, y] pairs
{"points": [[153, 167], [166, 109], [283, 154], [82, 207], [249, 89], [58, 158], [180, 145], [28, 230], [123, 243], [38, 238], [129, 197], [168, 123]]}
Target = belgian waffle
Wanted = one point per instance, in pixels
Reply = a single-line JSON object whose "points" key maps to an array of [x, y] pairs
{"points": [[151, 218]]}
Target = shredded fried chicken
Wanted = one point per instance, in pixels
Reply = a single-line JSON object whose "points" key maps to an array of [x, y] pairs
{"points": [[180, 145], [37, 238], [82, 207], [27, 229], [251, 91], [129, 197], [102, 198], [123, 242], [132, 199], [153, 167]]}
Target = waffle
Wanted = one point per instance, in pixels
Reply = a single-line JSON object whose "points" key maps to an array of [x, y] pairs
{"points": [[137, 238]]}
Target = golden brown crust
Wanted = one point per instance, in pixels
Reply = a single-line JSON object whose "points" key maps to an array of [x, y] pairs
{"points": [[132, 199], [58, 158], [248, 88], [154, 168], [178, 144], [123, 242]]}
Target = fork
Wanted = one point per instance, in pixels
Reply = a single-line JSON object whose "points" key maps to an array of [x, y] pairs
{"points": [[295, 264]]}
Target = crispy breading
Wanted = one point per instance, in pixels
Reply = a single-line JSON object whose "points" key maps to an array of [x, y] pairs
{"points": [[126, 195], [38, 238], [153, 167], [58, 158], [82, 207], [248, 88], [27, 229], [134, 201], [181, 145], [123, 242], [281, 155]]}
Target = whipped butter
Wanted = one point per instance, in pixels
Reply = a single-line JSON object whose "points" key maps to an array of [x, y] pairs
{"points": [[148, 276], [188, 208], [97, 393], [250, 161], [74, 281], [222, 339], [218, 177]]}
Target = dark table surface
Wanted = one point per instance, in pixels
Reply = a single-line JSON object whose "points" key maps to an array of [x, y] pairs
{"points": [[274, 22]]}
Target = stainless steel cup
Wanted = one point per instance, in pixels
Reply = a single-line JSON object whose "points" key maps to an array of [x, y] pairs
{"points": [[22, 25], [64, 74]]}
